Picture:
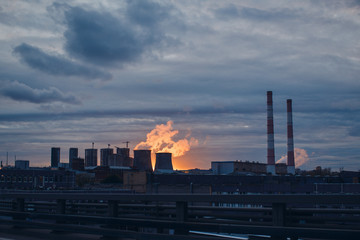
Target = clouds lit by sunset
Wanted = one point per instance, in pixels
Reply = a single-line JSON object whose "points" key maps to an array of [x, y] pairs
{"points": [[193, 72]]}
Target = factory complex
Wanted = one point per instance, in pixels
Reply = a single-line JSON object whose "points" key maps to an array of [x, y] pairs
{"points": [[117, 169]]}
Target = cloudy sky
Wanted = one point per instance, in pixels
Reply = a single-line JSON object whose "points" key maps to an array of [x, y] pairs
{"points": [[77, 72]]}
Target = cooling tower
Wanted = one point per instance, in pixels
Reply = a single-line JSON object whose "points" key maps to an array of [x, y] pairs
{"points": [[270, 135], [142, 160], [290, 139], [163, 162]]}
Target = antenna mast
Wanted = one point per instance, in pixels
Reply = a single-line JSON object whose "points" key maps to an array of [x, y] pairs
{"points": [[127, 144]]}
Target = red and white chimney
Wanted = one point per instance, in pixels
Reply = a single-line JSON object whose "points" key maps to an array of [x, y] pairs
{"points": [[290, 139], [270, 135]]}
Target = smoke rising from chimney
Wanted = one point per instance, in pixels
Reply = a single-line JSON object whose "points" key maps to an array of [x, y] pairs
{"points": [[301, 157], [160, 139]]}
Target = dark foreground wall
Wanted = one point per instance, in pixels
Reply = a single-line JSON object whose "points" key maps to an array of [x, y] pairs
{"points": [[187, 183]]}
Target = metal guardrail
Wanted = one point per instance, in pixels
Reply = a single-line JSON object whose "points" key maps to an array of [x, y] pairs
{"points": [[275, 215], [253, 199]]}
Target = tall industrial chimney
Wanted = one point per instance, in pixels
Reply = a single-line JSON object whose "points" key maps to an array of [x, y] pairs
{"points": [[142, 160], [290, 139], [270, 135], [163, 162]]}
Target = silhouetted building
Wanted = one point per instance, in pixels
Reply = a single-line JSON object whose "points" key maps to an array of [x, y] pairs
{"points": [[250, 184], [36, 178], [73, 153], [282, 168], [22, 164], [90, 157], [121, 158], [118, 160], [105, 156], [64, 165], [163, 162], [230, 167], [77, 164], [137, 181], [55, 157], [103, 172], [142, 160], [124, 152]]}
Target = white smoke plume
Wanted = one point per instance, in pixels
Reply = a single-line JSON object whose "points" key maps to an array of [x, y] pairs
{"points": [[160, 139], [301, 157]]}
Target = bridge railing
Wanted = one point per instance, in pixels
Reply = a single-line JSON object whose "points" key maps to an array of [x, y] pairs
{"points": [[323, 216]]}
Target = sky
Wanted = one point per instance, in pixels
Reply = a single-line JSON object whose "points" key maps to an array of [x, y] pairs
{"points": [[76, 72]]}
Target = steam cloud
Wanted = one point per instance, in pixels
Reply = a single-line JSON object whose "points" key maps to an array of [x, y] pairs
{"points": [[160, 139], [301, 157]]}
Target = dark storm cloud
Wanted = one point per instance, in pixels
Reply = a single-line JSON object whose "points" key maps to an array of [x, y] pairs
{"points": [[101, 38], [56, 65], [21, 92]]}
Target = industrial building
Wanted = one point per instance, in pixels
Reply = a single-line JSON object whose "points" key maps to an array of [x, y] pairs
{"points": [[142, 160], [163, 163], [273, 168], [246, 167], [224, 177]]}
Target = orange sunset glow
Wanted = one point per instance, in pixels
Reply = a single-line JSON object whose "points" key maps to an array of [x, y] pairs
{"points": [[163, 139]]}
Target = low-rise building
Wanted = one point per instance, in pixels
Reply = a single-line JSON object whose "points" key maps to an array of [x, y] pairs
{"points": [[233, 167], [36, 178], [22, 164]]}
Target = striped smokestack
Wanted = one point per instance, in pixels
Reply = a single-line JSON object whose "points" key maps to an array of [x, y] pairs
{"points": [[290, 139], [270, 135]]}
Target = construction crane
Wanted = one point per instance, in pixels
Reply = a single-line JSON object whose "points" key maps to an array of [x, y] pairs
{"points": [[127, 144]]}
